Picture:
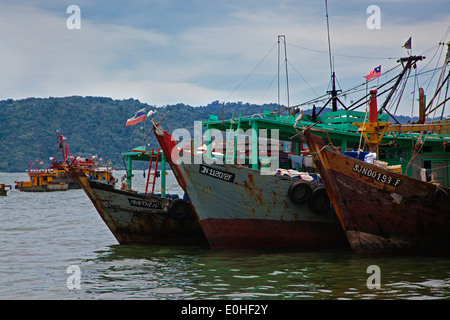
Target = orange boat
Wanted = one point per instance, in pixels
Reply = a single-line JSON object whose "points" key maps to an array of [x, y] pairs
{"points": [[41, 181], [55, 177]]}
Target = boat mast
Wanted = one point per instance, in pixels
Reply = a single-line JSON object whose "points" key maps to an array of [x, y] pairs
{"points": [[333, 91], [410, 61], [283, 38], [440, 85], [334, 98], [374, 130], [63, 146]]}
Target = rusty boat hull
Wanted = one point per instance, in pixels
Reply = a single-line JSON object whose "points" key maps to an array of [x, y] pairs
{"points": [[380, 210], [255, 210], [135, 218], [239, 207]]}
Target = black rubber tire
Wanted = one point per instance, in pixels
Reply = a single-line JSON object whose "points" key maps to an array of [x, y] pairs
{"points": [[179, 210], [440, 196], [300, 192], [319, 202]]}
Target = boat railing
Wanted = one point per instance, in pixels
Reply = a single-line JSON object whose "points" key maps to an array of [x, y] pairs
{"points": [[40, 171]]}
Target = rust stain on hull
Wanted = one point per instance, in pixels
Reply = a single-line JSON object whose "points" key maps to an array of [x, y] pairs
{"points": [[130, 220], [382, 211], [238, 207], [252, 190], [254, 211]]}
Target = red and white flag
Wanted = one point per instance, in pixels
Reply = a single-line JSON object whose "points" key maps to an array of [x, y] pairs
{"points": [[375, 73], [136, 118]]}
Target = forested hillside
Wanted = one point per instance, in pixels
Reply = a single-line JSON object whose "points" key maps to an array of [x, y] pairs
{"points": [[92, 125]]}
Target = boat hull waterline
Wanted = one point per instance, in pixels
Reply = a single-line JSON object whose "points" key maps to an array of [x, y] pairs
{"points": [[239, 207], [255, 210], [135, 218], [380, 210]]}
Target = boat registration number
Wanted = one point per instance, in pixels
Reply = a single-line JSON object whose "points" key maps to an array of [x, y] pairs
{"points": [[144, 204], [384, 178], [215, 173]]}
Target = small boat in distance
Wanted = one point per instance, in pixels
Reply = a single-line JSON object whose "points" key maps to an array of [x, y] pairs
{"points": [[4, 189], [55, 178], [41, 181]]}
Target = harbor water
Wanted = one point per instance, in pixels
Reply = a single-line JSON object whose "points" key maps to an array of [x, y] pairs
{"points": [[55, 246]]}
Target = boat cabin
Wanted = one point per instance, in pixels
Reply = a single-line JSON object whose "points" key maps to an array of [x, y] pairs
{"points": [[262, 132], [39, 178], [153, 157]]}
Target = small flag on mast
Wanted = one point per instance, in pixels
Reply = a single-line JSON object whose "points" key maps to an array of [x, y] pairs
{"points": [[375, 73], [136, 118], [407, 44]]}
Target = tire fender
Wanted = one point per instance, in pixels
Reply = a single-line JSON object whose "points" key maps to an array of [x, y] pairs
{"points": [[319, 202], [440, 196], [300, 192], [179, 209]]}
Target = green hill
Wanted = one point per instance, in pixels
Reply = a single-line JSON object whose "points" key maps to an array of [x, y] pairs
{"points": [[92, 125]]}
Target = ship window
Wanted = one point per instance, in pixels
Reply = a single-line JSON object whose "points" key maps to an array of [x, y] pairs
{"points": [[427, 149], [430, 149]]}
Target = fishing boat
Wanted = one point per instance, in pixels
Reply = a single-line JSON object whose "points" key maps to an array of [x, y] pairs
{"points": [[55, 178], [142, 218], [4, 189], [382, 210], [241, 201], [41, 181], [238, 207], [241, 197]]}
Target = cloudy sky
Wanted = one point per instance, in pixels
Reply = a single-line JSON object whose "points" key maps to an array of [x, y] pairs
{"points": [[196, 52]]}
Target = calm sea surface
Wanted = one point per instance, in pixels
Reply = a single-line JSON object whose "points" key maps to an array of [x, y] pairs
{"points": [[44, 236]]}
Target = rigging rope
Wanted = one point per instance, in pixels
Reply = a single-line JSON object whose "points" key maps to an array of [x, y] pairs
{"points": [[251, 72]]}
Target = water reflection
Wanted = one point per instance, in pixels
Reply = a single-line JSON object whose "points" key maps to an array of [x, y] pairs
{"points": [[42, 234], [134, 271]]}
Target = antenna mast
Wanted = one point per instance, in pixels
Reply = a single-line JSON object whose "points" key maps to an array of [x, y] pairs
{"points": [[333, 91], [283, 38]]}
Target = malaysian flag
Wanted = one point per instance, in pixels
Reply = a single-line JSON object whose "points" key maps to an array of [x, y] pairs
{"points": [[375, 73], [136, 118]]}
